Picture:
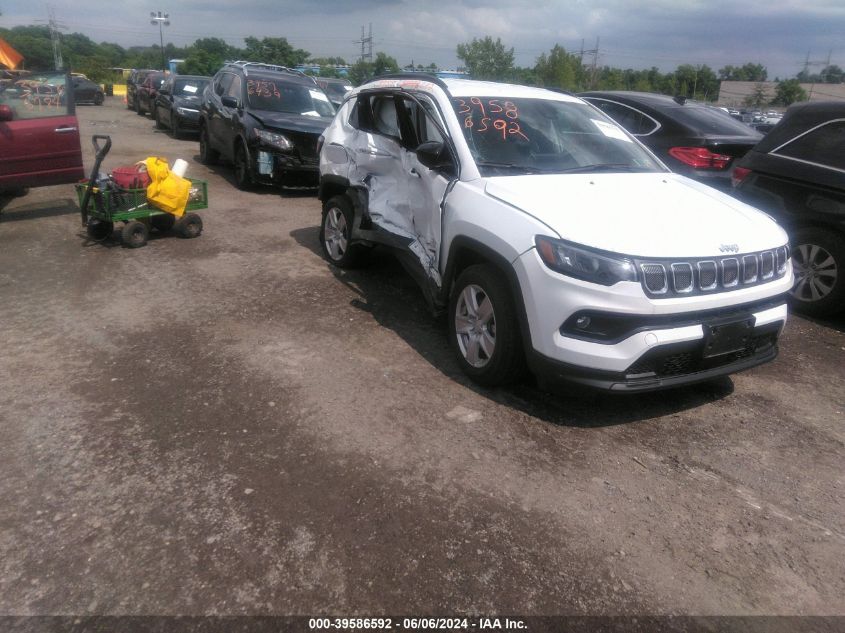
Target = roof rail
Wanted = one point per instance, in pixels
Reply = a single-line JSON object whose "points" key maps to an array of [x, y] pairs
{"points": [[421, 76], [245, 66]]}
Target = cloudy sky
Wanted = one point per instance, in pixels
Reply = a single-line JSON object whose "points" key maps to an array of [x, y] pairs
{"points": [[631, 33]]}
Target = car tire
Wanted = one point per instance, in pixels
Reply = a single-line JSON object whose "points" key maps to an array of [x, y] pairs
{"points": [[189, 226], [98, 99], [208, 156], [138, 109], [130, 105], [163, 223], [175, 132], [243, 177], [157, 117], [484, 328], [818, 261], [134, 234], [336, 233]]}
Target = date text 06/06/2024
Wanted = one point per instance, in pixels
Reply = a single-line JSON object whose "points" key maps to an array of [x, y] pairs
{"points": [[443, 624]]}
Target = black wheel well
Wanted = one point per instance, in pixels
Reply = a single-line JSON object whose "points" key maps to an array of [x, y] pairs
{"points": [[331, 186], [465, 252]]}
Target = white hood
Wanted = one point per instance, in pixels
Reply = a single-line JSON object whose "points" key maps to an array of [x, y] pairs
{"points": [[643, 215]]}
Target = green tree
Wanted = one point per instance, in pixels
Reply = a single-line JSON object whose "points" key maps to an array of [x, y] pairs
{"points": [[559, 69], [789, 92], [832, 74], [487, 59], [758, 96], [362, 71], [746, 72], [274, 50], [206, 55]]}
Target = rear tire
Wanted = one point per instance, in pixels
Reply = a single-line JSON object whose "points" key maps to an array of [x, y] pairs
{"points": [[818, 261], [336, 233], [208, 156], [189, 226], [134, 234], [483, 327]]}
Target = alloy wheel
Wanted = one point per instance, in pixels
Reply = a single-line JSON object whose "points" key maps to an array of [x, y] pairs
{"points": [[336, 233], [815, 272], [475, 326]]}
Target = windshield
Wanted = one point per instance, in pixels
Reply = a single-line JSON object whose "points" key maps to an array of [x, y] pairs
{"points": [[189, 87], [278, 96], [507, 135]]}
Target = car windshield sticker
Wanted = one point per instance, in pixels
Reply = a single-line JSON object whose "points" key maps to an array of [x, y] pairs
{"points": [[610, 130], [316, 94], [261, 88], [189, 88], [496, 116]]}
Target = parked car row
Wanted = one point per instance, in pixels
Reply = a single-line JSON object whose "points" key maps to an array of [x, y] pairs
{"points": [[538, 222]]}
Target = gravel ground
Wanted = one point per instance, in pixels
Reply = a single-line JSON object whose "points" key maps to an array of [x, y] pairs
{"points": [[227, 425]]}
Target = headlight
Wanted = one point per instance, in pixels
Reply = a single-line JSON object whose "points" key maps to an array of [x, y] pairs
{"points": [[279, 141], [186, 111], [583, 263]]}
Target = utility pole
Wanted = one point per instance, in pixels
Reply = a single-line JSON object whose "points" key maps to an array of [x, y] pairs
{"points": [[56, 28], [366, 43], [162, 19]]}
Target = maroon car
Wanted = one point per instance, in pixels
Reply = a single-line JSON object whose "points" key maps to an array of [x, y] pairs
{"points": [[145, 96], [39, 134]]}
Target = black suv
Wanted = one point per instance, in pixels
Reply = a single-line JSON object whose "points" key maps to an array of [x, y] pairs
{"points": [[135, 79], [267, 120], [797, 174]]}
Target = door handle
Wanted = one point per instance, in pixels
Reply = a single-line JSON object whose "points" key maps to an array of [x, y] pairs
{"points": [[65, 130]]}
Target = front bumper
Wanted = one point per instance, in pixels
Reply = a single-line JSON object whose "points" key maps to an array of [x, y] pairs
{"points": [[188, 120], [284, 169], [663, 341]]}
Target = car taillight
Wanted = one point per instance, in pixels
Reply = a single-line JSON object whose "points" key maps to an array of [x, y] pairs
{"points": [[740, 174], [700, 157]]}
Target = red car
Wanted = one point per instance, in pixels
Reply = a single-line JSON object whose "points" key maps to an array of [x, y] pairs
{"points": [[145, 97], [39, 134]]}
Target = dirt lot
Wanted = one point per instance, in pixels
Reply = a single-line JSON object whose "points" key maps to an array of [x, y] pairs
{"points": [[227, 425]]}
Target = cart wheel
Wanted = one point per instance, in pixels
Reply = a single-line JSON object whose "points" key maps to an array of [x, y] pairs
{"points": [[163, 223], [98, 230], [189, 226], [134, 234]]}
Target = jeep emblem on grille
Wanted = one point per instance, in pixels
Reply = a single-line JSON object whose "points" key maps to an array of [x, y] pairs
{"points": [[729, 248]]}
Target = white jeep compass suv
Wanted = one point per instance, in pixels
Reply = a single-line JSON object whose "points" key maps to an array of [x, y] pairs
{"points": [[551, 236]]}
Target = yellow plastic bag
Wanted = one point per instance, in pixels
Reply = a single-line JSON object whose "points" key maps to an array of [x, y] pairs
{"points": [[167, 191]]}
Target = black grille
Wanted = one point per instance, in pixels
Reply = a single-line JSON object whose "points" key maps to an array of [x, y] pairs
{"points": [[696, 276], [654, 276], [707, 275], [730, 272], [682, 277], [750, 269], [767, 269], [661, 364]]}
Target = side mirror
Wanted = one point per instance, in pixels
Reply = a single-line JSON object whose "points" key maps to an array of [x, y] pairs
{"points": [[230, 102], [434, 155], [6, 113]]}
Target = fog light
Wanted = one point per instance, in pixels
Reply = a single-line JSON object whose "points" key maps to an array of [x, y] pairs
{"points": [[582, 323]]}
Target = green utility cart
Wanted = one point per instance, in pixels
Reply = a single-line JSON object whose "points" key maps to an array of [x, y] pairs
{"points": [[102, 203]]}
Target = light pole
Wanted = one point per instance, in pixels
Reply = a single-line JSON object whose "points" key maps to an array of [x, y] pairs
{"points": [[162, 19]]}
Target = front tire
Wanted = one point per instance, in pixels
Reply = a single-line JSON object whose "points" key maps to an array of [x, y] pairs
{"points": [[208, 156], [138, 109], [483, 327], [98, 99], [134, 234], [157, 117], [818, 260], [189, 226], [336, 233], [243, 178]]}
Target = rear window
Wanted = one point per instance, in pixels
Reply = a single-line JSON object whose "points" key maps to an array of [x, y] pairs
{"points": [[709, 120], [824, 145]]}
